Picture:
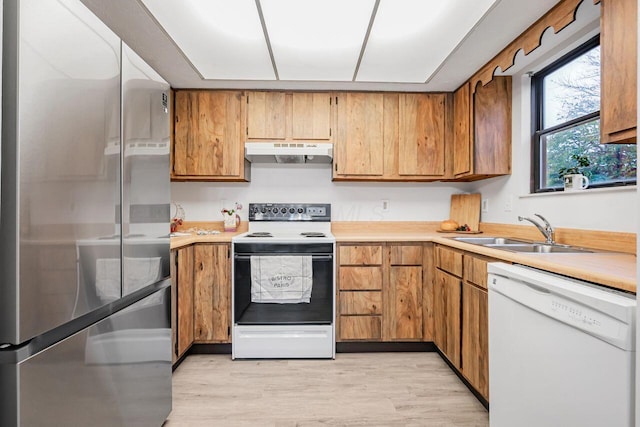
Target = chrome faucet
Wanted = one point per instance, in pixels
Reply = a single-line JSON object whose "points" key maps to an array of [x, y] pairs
{"points": [[547, 231]]}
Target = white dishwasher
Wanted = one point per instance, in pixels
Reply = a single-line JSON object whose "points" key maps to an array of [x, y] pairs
{"points": [[561, 351]]}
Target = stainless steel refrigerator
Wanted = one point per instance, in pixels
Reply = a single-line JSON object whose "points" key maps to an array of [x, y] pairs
{"points": [[85, 334]]}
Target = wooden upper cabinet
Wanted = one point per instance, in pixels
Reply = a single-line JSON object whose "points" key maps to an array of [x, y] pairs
{"points": [[492, 128], [208, 138], [360, 143], [462, 125], [421, 140], [289, 116], [266, 115], [311, 116], [619, 52], [482, 130]]}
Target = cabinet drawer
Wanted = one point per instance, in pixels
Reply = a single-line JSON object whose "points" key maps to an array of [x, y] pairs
{"points": [[361, 302], [406, 255], [475, 269], [361, 328], [360, 278], [361, 255], [449, 260]]}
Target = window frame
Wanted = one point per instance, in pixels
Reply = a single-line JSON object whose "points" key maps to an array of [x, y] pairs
{"points": [[537, 117]]}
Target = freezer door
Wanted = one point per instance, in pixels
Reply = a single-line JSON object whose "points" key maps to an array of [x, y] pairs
{"points": [[114, 373], [145, 190], [60, 162]]}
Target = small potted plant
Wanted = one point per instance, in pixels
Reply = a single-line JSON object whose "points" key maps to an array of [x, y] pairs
{"points": [[231, 218], [574, 177]]}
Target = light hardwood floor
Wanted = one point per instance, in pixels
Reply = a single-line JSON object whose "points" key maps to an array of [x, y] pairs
{"points": [[356, 389]]}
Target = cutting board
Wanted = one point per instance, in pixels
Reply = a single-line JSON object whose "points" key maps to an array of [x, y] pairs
{"points": [[465, 209]]}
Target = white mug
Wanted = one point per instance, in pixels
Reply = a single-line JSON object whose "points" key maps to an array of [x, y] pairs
{"points": [[575, 182]]}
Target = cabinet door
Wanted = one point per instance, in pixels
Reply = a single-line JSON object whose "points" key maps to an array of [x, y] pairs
{"points": [[421, 139], [208, 140], [618, 40], [492, 127], [311, 116], [360, 255], [446, 314], [266, 115], [365, 328], [184, 299], [360, 143], [212, 293], [403, 317], [462, 125], [449, 260], [475, 338]]}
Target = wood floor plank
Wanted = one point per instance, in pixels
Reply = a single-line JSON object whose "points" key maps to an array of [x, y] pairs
{"points": [[356, 389]]}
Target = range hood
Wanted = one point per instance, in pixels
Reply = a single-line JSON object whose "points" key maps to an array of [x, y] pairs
{"points": [[288, 152]]}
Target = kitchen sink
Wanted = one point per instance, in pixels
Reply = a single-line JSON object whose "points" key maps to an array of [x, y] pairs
{"points": [[539, 248], [515, 245], [489, 240]]}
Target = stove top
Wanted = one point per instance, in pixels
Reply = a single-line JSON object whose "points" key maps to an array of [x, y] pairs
{"points": [[288, 222]]}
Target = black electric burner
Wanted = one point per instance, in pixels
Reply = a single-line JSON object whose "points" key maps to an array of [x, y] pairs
{"points": [[260, 234], [313, 234]]}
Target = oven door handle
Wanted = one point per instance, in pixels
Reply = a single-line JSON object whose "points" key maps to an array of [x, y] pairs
{"points": [[314, 257]]}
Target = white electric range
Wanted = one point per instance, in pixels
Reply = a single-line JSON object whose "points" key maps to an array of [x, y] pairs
{"points": [[283, 283]]}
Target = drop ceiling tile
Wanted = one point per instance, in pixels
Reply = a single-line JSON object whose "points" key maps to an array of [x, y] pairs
{"points": [[411, 38], [222, 39], [316, 39]]}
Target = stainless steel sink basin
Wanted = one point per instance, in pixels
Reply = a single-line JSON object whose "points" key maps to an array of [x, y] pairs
{"points": [[489, 240], [538, 248], [515, 245]]}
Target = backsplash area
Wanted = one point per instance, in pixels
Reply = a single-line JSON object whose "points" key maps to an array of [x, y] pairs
{"points": [[359, 201]]}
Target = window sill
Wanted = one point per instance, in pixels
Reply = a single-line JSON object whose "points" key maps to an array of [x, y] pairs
{"points": [[582, 192]]}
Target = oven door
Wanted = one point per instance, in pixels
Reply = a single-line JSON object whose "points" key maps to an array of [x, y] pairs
{"points": [[319, 310]]}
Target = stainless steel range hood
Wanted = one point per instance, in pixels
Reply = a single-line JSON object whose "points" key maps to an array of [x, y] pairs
{"points": [[288, 152]]}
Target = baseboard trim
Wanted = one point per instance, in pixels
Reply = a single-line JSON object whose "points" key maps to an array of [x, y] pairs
{"points": [[478, 396], [380, 347]]}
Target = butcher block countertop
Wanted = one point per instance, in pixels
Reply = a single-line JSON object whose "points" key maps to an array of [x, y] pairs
{"points": [[612, 267]]}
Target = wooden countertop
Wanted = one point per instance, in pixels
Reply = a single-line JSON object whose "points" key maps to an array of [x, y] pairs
{"points": [[222, 237], [613, 269]]}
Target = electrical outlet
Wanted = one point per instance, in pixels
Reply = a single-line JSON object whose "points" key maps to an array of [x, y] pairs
{"points": [[485, 205], [508, 205], [385, 206]]}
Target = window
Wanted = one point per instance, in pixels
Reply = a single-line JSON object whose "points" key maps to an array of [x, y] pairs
{"points": [[566, 125]]}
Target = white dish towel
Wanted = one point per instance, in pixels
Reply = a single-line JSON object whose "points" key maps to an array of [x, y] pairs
{"points": [[281, 279]]}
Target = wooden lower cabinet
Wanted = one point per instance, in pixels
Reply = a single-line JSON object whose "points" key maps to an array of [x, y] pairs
{"points": [[475, 338], [446, 315], [380, 292], [403, 319], [212, 299], [360, 328], [182, 300]]}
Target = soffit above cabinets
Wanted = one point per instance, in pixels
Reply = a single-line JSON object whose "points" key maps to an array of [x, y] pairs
{"points": [[402, 45]]}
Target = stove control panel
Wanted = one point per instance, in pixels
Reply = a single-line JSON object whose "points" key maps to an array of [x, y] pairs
{"points": [[320, 212]]}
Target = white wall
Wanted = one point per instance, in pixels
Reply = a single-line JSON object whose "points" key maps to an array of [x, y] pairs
{"points": [[353, 201], [597, 209]]}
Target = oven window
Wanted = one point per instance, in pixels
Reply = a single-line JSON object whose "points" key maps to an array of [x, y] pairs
{"points": [[318, 311]]}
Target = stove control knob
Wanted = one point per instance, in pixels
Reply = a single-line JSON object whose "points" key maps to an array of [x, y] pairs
{"points": [[263, 210], [300, 210], [291, 210], [283, 210]]}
